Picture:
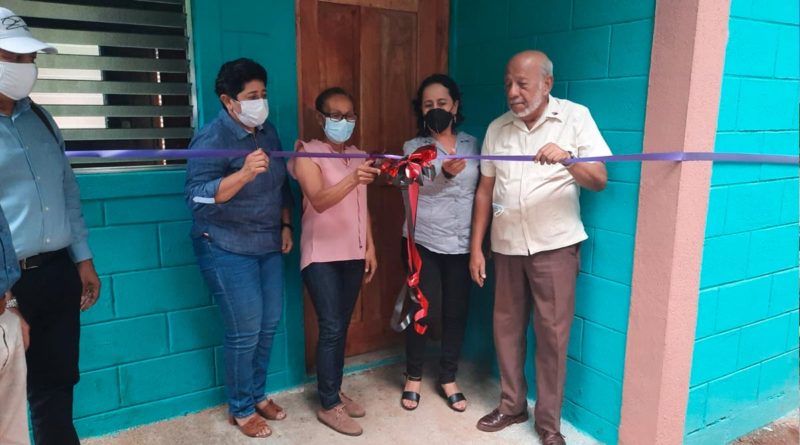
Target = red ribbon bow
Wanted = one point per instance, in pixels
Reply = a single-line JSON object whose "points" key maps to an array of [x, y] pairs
{"points": [[408, 170], [408, 173]]}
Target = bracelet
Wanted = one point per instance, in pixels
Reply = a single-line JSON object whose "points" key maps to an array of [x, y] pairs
{"points": [[287, 225]]}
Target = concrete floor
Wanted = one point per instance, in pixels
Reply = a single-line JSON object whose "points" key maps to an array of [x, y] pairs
{"points": [[386, 422]]}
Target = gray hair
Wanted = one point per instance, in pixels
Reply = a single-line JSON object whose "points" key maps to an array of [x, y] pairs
{"points": [[547, 66]]}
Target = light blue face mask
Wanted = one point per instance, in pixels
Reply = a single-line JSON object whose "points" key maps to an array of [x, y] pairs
{"points": [[339, 132]]}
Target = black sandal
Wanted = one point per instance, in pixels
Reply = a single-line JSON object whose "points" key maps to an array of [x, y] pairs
{"points": [[411, 396], [453, 399]]}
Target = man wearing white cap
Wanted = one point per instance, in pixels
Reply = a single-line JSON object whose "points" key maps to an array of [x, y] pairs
{"points": [[41, 200]]}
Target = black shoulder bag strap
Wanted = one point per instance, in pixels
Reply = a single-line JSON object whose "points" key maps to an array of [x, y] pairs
{"points": [[40, 112]]}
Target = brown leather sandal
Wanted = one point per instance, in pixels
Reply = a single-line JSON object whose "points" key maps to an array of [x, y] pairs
{"points": [[272, 411], [252, 427]]}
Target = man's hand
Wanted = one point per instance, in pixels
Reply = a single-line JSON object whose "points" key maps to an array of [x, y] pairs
{"points": [[370, 264], [255, 163], [551, 154], [454, 166], [91, 284], [286, 240], [477, 267]]}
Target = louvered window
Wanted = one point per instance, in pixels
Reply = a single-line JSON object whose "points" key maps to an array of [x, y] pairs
{"points": [[121, 79]]}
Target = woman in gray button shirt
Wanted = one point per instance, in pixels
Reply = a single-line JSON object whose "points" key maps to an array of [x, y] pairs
{"points": [[442, 236]]}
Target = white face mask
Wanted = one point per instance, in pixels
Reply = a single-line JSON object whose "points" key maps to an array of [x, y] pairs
{"points": [[254, 112], [17, 79]]}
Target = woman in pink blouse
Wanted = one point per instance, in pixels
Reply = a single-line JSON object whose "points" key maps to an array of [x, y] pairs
{"points": [[336, 248]]}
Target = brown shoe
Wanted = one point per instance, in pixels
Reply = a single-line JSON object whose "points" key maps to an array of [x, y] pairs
{"points": [[550, 438], [271, 411], [256, 427], [496, 421], [339, 421], [352, 407]]}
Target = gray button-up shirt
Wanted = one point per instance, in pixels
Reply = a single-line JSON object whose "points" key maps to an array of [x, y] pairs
{"points": [[444, 212]]}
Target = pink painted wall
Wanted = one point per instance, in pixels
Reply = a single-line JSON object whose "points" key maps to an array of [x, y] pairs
{"points": [[682, 104]]}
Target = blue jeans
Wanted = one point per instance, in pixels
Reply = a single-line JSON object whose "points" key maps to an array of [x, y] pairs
{"points": [[249, 292], [333, 288]]}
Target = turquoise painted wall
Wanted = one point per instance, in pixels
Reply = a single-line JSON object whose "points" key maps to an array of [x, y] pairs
{"points": [[601, 53], [745, 366], [150, 349]]}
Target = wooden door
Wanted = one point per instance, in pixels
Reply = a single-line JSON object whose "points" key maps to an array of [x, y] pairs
{"points": [[379, 50]]}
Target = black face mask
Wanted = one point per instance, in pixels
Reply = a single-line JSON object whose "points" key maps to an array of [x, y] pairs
{"points": [[438, 119]]}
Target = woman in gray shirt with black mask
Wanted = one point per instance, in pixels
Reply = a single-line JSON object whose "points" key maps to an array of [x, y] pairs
{"points": [[442, 235]]}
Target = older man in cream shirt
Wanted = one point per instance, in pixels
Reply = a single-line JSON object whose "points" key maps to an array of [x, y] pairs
{"points": [[535, 236]]}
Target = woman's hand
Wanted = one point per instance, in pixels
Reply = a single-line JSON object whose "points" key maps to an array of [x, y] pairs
{"points": [[286, 240], [366, 173], [255, 163], [370, 264], [454, 166]]}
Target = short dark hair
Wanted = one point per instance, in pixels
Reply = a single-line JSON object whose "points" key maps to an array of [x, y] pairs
{"points": [[323, 97], [233, 76], [455, 94]]}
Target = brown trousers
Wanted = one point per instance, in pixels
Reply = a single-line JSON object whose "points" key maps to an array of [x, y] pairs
{"points": [[546, 280], [13, 375]]}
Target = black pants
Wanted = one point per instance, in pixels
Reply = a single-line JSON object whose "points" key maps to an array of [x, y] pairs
{"points": [[333, 288], [445, 281], [49, 299]]}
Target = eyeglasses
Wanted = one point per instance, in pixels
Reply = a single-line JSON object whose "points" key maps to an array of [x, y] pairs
{"points": [[337, 117]]}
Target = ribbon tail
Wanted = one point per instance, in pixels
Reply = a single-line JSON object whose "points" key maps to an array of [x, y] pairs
{"points": [[420, 316], [411, 289], [400, 322]]}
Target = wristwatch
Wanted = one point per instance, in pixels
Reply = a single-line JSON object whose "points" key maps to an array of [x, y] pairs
{"points": [[571, 156], [287, 226], [11, 303]]}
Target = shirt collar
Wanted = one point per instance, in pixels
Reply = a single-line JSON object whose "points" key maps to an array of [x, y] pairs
{"points": [[20, 107], [233, 126]]}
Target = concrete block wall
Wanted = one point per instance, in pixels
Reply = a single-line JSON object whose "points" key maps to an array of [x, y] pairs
{"points": [[745, 365], [151, 348], [601, 54]]}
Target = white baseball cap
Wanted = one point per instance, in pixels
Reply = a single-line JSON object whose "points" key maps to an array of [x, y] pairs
{"points": [[17, 38]]}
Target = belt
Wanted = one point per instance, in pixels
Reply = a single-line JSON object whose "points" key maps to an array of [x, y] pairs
{"points": [[40, 260]]}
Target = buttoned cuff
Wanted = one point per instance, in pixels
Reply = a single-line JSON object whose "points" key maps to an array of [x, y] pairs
{"points": [[209, 189], [80, 251]]}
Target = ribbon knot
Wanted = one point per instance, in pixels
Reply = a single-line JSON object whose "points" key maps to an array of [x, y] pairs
{"points": [[411, 168]]}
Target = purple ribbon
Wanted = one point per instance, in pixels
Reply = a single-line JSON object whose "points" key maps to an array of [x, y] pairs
{"points": [[222, 153]]}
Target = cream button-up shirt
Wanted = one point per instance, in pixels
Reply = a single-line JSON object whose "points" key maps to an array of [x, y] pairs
{"points": [[536, 207]]}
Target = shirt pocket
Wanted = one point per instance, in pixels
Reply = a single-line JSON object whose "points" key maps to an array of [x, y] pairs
{"points": [[506, 170]]}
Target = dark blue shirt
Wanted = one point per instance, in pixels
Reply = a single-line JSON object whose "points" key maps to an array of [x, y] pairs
{"points": [[9, 265], [249, 223]]}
